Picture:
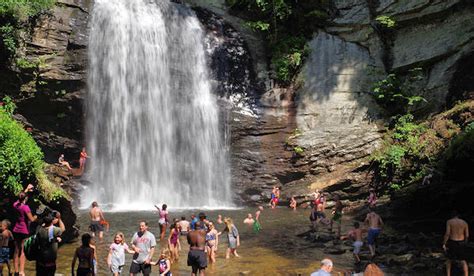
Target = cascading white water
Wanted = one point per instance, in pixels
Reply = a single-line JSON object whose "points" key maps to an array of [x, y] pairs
{"points": [[152, 123]]}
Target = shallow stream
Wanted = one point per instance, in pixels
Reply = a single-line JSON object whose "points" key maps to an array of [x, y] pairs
{"points": [[276, 250]]}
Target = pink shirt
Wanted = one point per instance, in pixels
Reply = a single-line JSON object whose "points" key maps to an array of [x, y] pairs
{"points": [[21, 225]]}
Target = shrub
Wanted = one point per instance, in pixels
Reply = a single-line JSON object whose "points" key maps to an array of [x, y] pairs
{"points": [[397, 96], [9, 39], [405, 153], [20, 157]]}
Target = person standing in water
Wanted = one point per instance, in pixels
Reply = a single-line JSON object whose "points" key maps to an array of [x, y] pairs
{"points": [[163, 221], [375, 224], [184, 226], [116, 257], [212, 240], [173, 242], [454, 242], [249, 219], [197, 256], [85, 254], [143, 243], [356, 235], [233, 238], [96, 215], [5, 237], [20, 229], [82, 159]]}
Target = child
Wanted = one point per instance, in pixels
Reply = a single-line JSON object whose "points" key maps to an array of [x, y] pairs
{"points": [[164, 263], [5, 237], [356, 235], [173, 242], [293, 203], [85, 254], [116, 257]]}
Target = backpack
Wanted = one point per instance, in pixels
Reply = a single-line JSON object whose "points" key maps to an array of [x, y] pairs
{"points": [[31, 247]]}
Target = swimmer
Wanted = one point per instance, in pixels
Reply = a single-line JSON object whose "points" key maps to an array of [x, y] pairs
{"points": [[249, 219]]}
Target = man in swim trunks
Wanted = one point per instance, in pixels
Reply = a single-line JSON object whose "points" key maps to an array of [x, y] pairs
{"points": [[197, 258], [375, 223], [455, 239], [96, 216], [356, 235]]}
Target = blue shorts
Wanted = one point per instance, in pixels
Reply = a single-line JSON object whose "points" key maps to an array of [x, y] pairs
{"points": [[4, 255], [372, 235]]}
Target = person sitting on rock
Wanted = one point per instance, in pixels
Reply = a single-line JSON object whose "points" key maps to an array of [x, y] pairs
{"points": [[63, 162], [293, 203]]}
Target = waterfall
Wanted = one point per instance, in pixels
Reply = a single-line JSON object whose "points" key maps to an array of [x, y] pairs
{"points": [[153, 130]]}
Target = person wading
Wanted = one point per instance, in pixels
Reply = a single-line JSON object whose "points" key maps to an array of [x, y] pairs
{"points": [[197, 258], [143, 243], [96, 216], [375, 224], [454, 242]]}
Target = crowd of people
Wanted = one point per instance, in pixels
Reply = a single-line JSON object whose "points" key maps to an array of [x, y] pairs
{"points": [[199, 233]]}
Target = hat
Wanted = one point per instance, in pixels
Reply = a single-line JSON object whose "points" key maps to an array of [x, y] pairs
{"points": [[202, 215]]}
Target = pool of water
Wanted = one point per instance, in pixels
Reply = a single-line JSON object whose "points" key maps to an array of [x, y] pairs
{"points": [[276, 250]]}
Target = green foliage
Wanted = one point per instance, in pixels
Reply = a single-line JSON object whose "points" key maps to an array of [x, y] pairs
{"points": [[288, 54], [298, 150], [386, 21], [8, 36], [20, 9], [8, 105], [404, 154], [286, 25], [258, 25], [398, 96], [12, 14], [24, 63], [20, 157], [48, 190]]}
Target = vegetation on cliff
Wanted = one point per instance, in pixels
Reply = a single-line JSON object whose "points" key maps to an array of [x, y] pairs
{"points": [[442, 146], [287, 25], [21, 160], [13, 17]]}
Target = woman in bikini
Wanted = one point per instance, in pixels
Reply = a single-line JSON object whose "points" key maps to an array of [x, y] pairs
{"points": [[212, 240]]}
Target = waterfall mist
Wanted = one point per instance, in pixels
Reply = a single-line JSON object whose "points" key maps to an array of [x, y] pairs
{"points": [[153, 130]]}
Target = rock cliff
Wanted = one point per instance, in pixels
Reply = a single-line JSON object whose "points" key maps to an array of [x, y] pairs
{"points": [[315, 133]]}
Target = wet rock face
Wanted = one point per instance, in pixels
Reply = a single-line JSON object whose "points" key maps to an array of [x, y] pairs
{"points": [[51, 105], [229, 59]]}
